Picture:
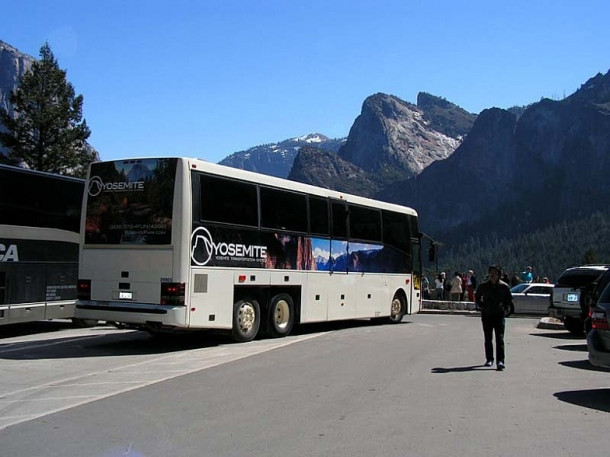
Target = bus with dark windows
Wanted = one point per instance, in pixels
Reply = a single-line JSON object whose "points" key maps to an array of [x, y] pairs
{"points": [[39, 234], [172, 244]]}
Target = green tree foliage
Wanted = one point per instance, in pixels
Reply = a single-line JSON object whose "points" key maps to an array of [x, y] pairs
{"points": [[47, 132], [549, 251]]}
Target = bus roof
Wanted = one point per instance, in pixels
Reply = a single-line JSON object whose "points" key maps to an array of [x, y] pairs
{"points": [[16, 169]]}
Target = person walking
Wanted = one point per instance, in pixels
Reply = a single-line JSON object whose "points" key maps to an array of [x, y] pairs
{"points": [[493, 298]]}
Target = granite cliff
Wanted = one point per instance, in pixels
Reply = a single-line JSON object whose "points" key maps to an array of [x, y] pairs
{"points": [[513, 175]]}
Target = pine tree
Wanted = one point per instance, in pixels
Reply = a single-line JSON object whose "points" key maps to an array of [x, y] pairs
{"points": [[47, 132]]}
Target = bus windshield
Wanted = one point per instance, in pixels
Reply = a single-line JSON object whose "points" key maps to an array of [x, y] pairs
{"points": [[130, 202]]}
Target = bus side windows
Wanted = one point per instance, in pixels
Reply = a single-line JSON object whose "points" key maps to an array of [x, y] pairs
{"points": [[282, 210], [228, 201], [318, 216], [396, 230], [339, 220], [2, 287], [364, 224]]}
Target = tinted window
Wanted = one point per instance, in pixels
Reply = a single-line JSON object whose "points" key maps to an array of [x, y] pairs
{"points": [[578, 278], [396, 230], [364, 223], [2, 287], [339, 222], [40, 199], [228, 201], [540, 290], [318, 216], [605, 296], [131, 202], [283, 210]]}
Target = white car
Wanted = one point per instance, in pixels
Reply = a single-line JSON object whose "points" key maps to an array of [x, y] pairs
{"points": [[531, 298]]}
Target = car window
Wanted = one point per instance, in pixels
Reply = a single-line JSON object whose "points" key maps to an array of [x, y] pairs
{"points": [[540, 290], [519, 288], [605, 296], [578, 278]]}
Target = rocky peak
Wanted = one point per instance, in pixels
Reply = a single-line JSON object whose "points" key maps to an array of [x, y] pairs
{"points": [[327, 169], [444, 116], [391, 137], [13, 64], [596, 91]]}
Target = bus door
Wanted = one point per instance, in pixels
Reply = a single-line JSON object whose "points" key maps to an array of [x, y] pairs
{"points": [[416, 291]]}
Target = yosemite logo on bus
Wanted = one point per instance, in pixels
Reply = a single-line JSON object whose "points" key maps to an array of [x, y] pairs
{"points": [[203, 248], [97, 186]]}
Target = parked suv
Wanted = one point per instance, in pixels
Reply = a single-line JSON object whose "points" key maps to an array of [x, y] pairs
{"points": [[574, 293], [598, 339]]}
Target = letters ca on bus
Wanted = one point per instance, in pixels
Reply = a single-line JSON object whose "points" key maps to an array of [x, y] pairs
{"points": [[9, 253]]}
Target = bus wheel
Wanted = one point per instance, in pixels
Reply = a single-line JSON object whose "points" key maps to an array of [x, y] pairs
{"points": [[398, 309], [84, 323], [281, 315], [246, 320]]}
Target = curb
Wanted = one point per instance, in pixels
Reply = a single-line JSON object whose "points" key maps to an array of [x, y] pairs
{"points": [[551, 323], [548, 323]]}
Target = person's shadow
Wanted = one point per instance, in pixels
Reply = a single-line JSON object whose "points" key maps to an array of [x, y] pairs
{"points": [[460, 369]]}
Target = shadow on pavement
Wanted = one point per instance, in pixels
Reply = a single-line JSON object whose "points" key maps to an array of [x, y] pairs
{"points": [[572, 347], [135, 342], [461, 369], [559, 336], [583, 365], [598, 399], [32, 328]]}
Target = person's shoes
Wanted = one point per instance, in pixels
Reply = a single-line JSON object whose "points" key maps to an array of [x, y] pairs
{"points": [[501, 366], [489, 363]]}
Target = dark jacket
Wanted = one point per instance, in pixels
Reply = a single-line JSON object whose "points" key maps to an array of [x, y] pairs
{"points": [[493, 299]]}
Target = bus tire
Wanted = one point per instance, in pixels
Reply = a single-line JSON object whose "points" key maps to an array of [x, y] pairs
{"points": [[246, 320], [281, 315], [84, 323], [397, 309]]}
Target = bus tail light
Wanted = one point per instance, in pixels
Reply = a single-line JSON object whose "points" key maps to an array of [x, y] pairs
{"points": [[83, 289], [172, 293]]}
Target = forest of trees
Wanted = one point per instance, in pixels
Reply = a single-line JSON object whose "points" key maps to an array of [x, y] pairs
{"points": [[549, 251]]}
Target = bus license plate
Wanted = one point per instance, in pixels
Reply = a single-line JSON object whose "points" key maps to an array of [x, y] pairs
{"points": [[571, 297], [125, 295]]}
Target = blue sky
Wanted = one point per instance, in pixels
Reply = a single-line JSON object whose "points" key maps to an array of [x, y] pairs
{"points": [[211, 77]]}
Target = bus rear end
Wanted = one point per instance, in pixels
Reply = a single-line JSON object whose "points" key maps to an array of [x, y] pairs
{"points": [[129, 269]]}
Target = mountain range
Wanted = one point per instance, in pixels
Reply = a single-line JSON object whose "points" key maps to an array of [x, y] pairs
{"points": [[276, 159]]}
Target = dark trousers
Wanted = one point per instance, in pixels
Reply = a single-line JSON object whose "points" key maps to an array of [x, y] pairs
{"points": [[493, 323]]}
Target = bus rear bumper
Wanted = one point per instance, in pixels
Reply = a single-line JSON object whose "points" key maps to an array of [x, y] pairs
{"points": [[131, 313]]}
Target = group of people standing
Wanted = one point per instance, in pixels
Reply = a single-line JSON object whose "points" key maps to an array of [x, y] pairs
{"points": [[457, 288]]}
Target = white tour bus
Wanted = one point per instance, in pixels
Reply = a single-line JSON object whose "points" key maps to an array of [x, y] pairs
{"points": [[177, 243], [39, 224]]}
